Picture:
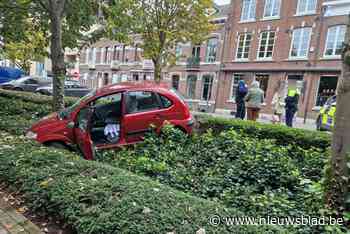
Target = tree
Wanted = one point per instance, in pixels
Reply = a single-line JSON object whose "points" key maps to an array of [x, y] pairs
{"points": [[64, 21], [161, 24], [32, 47], [338, 196]]}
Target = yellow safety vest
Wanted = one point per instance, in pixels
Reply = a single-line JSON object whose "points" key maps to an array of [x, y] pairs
{"points": [[328, 119]]}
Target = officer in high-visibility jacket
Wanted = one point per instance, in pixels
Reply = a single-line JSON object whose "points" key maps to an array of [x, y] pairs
{"points": [[291, 106], [328, 117]]}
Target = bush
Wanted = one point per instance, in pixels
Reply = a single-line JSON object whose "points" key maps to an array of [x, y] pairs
{"points": [[282, 134], [33, 97], [96, 198], [254, 176]]}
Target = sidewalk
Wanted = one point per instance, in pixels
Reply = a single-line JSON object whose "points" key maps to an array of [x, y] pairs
{"points": [[265, 118], [11, 222]]}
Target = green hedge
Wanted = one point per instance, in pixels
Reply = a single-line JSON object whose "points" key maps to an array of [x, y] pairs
{"points": [[33, 97], [99, 199], [283, 135]]}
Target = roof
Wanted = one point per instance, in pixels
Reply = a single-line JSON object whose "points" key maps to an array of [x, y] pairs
{"points": [[131, 85]]}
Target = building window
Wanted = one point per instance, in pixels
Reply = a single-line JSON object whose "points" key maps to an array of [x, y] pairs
{"points": [[191, 86], [326, 89], [94, 56], [267, 41], [272, 8], [105, 56], [263, 80], [178, 51], [306, 7], [300, 43], [335, 39], [211, 50], [196, 51], [244, 41], [207, 87], [248, 10], [234, 83], [175, 81]]}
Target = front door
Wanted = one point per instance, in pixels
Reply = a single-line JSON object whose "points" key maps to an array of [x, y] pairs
{"points": [[143, 110], [82, 133]]}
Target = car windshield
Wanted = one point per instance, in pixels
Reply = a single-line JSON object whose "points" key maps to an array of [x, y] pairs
{"points": [[67, 111]]}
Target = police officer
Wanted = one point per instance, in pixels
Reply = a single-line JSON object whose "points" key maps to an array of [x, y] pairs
{"points": [[291, 106]]}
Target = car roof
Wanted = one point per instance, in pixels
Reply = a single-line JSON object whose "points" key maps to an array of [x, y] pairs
{"points": [[131, 86]]}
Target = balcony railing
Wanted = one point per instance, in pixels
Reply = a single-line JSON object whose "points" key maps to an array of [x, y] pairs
{"points": [[193, 62]]}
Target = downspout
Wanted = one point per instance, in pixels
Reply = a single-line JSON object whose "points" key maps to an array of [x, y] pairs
{"points": [[227, 28], [316, 55]]}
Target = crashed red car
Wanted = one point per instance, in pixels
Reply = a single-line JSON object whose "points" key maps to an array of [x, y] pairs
{"points": [[114, 116]]}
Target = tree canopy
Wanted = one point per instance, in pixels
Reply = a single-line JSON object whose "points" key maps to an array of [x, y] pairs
{"points": [[161, 24]]}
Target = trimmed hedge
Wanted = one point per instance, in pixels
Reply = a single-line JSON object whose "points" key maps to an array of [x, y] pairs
{"points": [[99, 199], [283, 135], [33, 97]]}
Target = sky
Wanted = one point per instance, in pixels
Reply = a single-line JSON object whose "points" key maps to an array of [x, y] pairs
{"points": [[220, 2]]}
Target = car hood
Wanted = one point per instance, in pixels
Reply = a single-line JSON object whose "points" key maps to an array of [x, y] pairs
{"points": [[49, 120]]}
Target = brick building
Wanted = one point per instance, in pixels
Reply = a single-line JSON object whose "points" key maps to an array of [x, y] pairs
{"points": [[195, 73], [274, 41]]}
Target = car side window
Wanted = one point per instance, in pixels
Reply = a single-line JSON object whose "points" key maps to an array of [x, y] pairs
{"points": [[166, 102], [83, 118], [31, 81], [141, 101], [114, 98]]}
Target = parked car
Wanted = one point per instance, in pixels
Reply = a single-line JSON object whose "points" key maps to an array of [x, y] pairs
{"points": [[114, 116], [72, 88], [326, 118], [8, 73], [27, 83]]}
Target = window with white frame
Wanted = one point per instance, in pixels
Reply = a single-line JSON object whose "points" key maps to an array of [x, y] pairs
{"points": [[306, 7], [300, 42], [272, 8], [248, 10], [234, 84], [178, 51], [335, 39], [207, 87], [211, 50], [266, 44], [243, 46]]}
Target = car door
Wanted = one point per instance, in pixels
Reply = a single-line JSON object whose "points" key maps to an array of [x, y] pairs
{"points": [[30, 85], [82, 133], [143, 109]]}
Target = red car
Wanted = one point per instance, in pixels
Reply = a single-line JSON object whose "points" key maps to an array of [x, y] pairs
{"points": [[114, 116]]}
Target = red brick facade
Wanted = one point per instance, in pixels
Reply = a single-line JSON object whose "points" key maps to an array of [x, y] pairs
{"points": [[316, 72], [281, 65]]}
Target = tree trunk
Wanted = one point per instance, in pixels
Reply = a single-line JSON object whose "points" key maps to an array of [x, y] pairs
{"points": [[57, 54], [157, 70], [339, 174]]}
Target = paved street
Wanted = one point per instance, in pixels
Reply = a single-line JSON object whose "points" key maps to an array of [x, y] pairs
{"points": [[265, 118], [11, 222]]}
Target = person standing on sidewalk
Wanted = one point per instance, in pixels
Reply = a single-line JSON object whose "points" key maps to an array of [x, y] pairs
{"points": [[278, 106], [254, 100], [241, 92], [291, 107]]}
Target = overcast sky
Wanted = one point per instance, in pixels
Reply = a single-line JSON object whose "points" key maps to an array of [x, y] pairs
{"points": [[220, 2]]}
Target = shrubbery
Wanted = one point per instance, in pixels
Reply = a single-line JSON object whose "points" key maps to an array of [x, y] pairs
{"points": [[99, 199], [254, 176], [282, 134]]}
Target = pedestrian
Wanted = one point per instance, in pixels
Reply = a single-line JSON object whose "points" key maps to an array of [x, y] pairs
{"points": [[291, 106], [254, 99], [277, 106], [241, 92]]}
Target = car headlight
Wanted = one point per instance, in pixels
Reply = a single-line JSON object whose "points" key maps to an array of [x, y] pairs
{"points": [[31, 135]]}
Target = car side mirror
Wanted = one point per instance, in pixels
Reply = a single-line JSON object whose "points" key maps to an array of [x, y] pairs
{"points": [[71, 125]]}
